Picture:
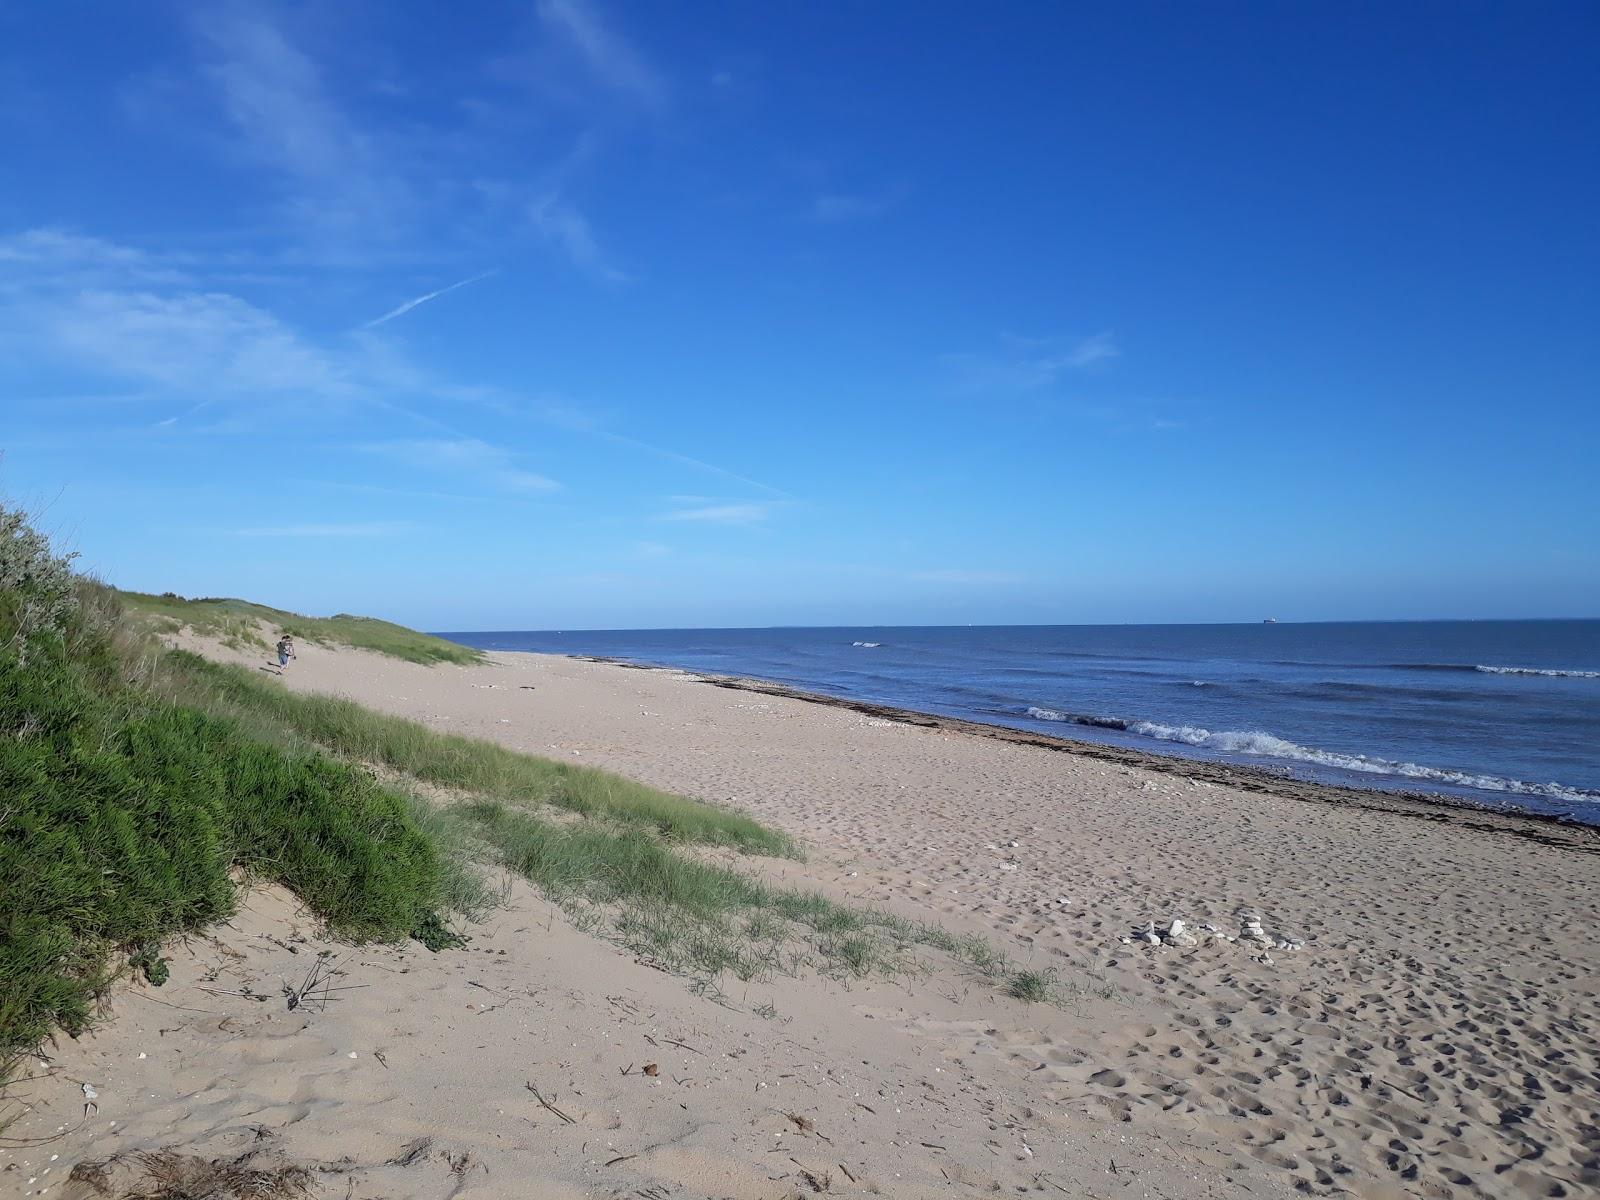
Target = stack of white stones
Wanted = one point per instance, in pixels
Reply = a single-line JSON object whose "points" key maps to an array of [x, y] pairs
{"points": [[1176, 933]]}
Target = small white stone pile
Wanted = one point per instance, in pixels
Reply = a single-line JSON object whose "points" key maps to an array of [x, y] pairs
{"points": [[1176, 932]]}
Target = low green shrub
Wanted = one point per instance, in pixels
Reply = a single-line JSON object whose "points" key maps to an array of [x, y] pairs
{"points": [[121, 815]]}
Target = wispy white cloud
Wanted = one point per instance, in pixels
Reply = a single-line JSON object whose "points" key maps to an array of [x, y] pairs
{"points": [[560, 223], [722, 514], [191, 341], [358, 191], [402, 309], [567, 417], [696, 463], [335, 175], [1029, 364], [974, 578], [372, 489], [61, 253], [466, 458], [356, 529], [1074, 354], [194, 349], [845, 206], [192, 345], [615, 63]]}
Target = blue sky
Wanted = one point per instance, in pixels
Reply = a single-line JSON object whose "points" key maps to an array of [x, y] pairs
{"points": [[562, 314]]}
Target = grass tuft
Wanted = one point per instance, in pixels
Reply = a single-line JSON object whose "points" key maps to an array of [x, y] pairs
{"points": [[1033, 987]]}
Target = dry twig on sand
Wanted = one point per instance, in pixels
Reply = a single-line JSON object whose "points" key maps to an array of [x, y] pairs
{"points": [[539, 1096]]}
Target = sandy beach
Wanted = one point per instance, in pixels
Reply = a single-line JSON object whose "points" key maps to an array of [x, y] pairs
{"points": [[1416, 1016]]}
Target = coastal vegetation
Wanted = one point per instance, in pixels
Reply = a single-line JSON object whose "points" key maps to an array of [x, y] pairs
{"points": [[139, 785], [626, 870], [240, 624], [123, 812], [703, 919], [469, 765]]}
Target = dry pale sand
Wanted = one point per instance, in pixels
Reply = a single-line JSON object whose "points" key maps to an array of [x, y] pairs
{"points": [[1433, 1037]]}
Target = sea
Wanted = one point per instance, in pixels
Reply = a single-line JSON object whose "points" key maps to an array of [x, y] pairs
{"points": [[1503, 713]]}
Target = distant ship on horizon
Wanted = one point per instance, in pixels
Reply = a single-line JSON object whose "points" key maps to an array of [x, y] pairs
{"points": [[1270, 621]]}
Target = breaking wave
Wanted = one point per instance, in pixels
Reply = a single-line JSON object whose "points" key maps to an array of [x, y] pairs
{"points": [[1483, 669], [1548, 673], [1266, 745], [867, 645], [1050, 714]]}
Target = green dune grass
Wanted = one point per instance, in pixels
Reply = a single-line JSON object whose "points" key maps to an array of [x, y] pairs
{"points": [[134, 781], [123, 811], [238, 622], [463, 764]]}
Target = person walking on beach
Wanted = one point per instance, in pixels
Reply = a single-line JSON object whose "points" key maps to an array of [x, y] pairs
{"points": [[285, 652]]}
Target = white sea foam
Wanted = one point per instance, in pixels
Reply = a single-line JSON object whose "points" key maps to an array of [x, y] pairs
{"points": [[867, 645], [1265, 745], [1268, 746], [1552, 674]]}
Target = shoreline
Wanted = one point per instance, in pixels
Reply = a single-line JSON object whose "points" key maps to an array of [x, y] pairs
{"points": [[1429, 806]]}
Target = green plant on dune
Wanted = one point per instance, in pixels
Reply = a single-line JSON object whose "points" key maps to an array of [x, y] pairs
{"points": [[466, 764], [121, 813], [1032, 987], [703, 919], [38, 591], [238, 623]]}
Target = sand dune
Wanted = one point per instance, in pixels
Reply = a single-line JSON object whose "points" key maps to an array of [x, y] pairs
{"points": [[1432, 1037]]}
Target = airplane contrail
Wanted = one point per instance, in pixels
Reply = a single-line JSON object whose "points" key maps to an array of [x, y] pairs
{"points": [[410, 304]]}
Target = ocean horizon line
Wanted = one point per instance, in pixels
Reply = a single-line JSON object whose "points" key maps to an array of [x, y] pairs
{"points": [[1023, 625]]}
